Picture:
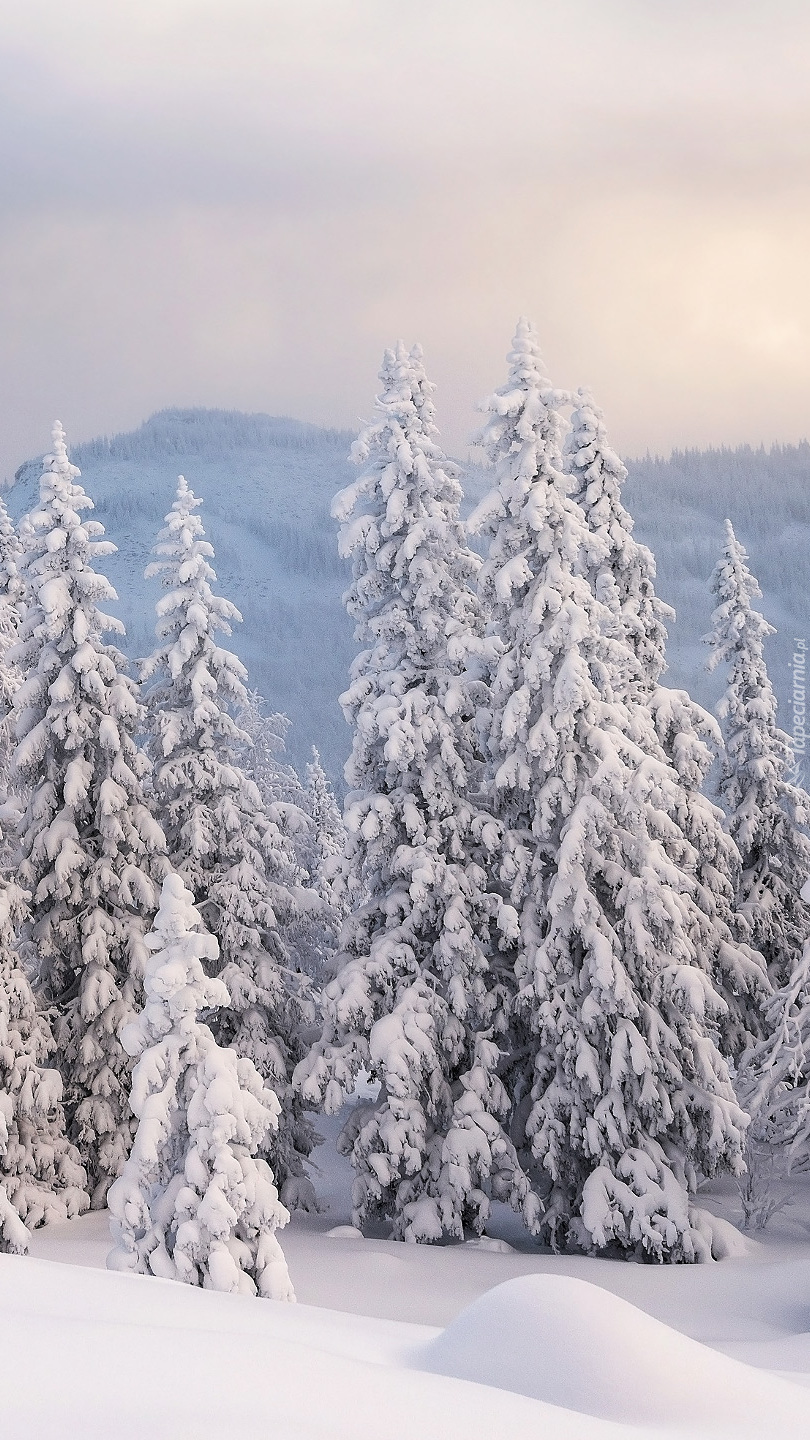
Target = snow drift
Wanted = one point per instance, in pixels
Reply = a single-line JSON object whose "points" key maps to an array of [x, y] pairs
{"points": [[130, 1357], [576, 1346]]}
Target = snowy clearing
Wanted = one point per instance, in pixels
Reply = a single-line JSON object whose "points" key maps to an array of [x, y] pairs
{"points": [[406, 1340]]}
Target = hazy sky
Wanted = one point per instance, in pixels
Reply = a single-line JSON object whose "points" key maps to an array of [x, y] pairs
{"points": [[242, 202]]}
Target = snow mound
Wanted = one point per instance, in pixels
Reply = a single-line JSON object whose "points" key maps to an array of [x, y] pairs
{"points": [[344, 1232], [579, 1347], [725, 1240]]}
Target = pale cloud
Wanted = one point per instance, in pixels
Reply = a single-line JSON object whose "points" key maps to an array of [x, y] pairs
{"points": [[241, 203]]}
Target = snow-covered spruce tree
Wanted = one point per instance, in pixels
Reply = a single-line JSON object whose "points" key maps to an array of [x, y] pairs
{"points": [[11, 601], [89, 845], [263, 759], [773, 1084], [328, 833], [233, 855], [413, 1001], [194, 1203], [621, 573], [40, 1171], [319, 849], [690, 739], [764, 809], [621, 1097], [312, 933]]}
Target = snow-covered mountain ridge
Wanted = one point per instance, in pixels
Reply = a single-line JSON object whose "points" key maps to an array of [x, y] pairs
{"points": [[267, 485]]}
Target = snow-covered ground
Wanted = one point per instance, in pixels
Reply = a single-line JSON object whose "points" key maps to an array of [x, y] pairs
{"points": [[477, 1340]]}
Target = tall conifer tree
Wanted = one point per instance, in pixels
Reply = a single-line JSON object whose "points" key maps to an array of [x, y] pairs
{"points": [[233, 856], [89, 845], [414, 1000], [765, 810], [622, 1097], [621, 573]]}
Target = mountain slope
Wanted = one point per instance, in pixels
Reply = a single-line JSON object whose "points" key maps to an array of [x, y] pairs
{"points": [[267, 485]]}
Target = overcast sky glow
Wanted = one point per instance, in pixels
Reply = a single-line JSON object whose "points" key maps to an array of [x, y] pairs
{"points": [[242, 202]]}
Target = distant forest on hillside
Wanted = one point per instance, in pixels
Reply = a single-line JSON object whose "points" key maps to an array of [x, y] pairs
{"points": [[267, 484]]}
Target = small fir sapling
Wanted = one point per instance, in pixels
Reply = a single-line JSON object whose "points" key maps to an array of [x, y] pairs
{"points": [[195, 1202], [321, 855], [328, 831]]}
